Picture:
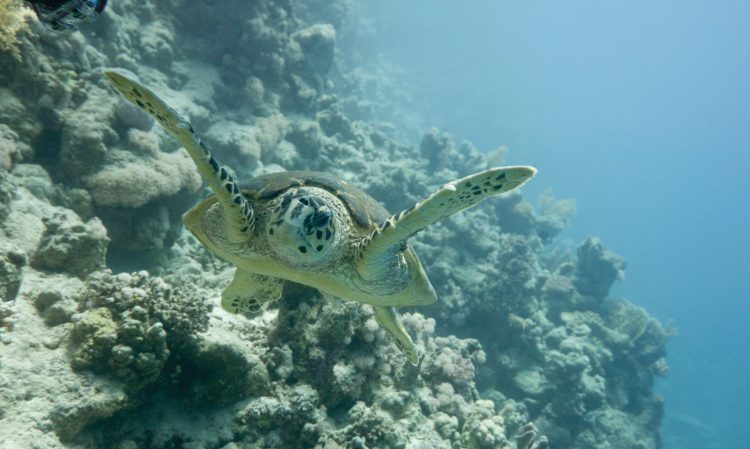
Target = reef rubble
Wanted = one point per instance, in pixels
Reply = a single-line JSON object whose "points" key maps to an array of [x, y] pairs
{"points": [[109, 333]]}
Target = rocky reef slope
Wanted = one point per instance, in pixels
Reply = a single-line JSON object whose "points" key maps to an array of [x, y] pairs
{"points": [[97, 352]]}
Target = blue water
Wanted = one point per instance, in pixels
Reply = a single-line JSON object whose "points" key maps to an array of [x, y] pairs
{"points": [[641, 111]]}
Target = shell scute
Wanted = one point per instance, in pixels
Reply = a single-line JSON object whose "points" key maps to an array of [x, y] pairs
{"points": [[366, 212]]}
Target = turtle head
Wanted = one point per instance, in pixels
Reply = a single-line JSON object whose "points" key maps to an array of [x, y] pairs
{"points": [[302, 226]]}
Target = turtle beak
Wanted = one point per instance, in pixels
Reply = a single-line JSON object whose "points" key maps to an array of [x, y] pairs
{"points": [[320, 218]]}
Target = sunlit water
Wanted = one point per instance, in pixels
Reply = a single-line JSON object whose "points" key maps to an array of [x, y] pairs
{"points": [[640, 111]]}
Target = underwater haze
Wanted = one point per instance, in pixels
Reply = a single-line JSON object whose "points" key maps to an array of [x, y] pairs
{"points": [[291, 224], [641, 112]]}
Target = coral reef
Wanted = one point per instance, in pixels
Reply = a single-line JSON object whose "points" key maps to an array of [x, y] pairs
{"points": [[127, 323], [91, 194], [12, 21], [549, 338], [70, 245], [12, 261], [596, 269]]}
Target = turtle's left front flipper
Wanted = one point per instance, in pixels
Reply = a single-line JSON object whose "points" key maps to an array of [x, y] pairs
{"points": [[453, 197]]}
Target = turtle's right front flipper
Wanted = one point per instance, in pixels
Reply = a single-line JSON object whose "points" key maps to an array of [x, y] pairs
{"points": [[239, 213]]}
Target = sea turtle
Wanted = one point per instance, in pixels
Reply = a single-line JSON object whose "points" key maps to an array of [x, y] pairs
{"points": [[310, 228]]}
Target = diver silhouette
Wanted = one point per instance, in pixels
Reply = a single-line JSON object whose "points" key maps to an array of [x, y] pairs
{"points": [[63, 15]]}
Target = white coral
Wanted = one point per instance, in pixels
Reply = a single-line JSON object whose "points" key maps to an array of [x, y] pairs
{"points": [[135, 184]]}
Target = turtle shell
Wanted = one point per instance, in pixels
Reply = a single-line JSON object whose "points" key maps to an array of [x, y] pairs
{"points": [[366, 212]]}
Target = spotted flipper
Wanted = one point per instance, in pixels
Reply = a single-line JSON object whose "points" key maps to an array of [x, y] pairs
{"points": [[239, 213], [249, 292], [453, 197], [388, 319]]}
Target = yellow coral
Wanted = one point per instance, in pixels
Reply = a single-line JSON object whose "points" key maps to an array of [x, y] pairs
{"points": [[12, 20]]}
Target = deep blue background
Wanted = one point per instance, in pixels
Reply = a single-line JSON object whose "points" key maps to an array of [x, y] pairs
{"points": [[641, 111]]}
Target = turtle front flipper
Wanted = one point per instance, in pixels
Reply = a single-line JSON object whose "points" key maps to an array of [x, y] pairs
{"points": [[388, 319], [239, 213], [249, 292], [453, 197]]}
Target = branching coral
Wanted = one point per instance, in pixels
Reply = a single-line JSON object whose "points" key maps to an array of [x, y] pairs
{"points": [[128, 323]]}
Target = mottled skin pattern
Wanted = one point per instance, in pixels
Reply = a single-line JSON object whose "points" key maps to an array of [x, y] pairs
{"points": [[332, 270], [315, 230]]}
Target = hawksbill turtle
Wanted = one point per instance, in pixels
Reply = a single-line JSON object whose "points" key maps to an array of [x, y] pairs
{"points": [[310, 228]]}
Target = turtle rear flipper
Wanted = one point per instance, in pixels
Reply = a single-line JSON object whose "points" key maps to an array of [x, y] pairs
{"points": [[249, 292], [388, 320], [239, 213], [453, 197]]}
